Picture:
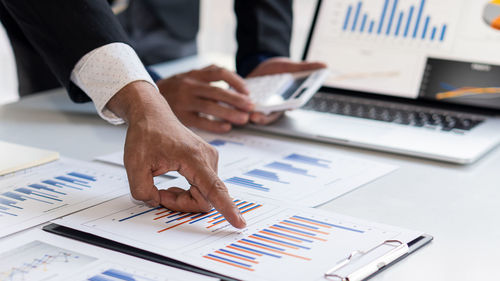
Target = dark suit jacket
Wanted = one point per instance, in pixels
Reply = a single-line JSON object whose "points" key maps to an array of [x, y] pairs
{"points": [[57, 34], [162, 30], [50, 36]]}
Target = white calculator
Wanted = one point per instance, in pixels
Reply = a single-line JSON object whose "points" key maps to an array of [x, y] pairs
{"points": [[284, 91]]}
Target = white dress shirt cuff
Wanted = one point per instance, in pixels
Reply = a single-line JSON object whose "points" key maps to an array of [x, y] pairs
{"points": [[105, 71]]}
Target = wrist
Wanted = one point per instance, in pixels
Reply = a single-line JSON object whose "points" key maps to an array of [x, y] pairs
{"points": [[136, 101]]}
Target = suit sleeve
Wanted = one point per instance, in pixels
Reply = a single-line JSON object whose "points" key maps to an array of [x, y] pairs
{"points": [[63, 31], [264, 29]]}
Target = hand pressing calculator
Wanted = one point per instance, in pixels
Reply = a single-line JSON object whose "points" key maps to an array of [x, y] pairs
{"points": [[284, 91]]}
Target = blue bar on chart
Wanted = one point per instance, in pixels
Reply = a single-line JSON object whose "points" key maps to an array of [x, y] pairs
{"points": [[308, 160], [347, 17], [3, 210], [82, 176], [20, 197], [138, 214], [288, 168], [43, 187], [73, 181], [9, 203], [246, 183], [433, 33], [382, 17], [35, 193], [60, 184], [426, 25], [325, 224], [363, 23], [391, 17], [443, 33], [356, 16], [394, 20], [266, 175], [408, 22], [219, 142], [398, 26], [419, 17]]}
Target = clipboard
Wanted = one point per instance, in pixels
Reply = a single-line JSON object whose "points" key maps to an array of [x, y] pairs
{"points": [[353, 268], [397, 250], [128, 250]]}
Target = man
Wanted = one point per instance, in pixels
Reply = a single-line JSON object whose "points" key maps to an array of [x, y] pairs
{"points": [[162, 30], [84, 46]]}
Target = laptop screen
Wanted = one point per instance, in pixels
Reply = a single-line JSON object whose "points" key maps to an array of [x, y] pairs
{"points": [[446, 50]]}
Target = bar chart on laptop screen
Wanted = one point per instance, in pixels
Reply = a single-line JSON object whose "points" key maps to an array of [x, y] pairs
{"points": [[418, 22], [396, 21], [380, 46]]}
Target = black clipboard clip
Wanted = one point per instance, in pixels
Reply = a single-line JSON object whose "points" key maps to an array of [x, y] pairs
{"points": [[399, 250]]}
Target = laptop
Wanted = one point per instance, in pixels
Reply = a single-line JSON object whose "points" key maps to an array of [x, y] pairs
{"points": [[410, 77]]}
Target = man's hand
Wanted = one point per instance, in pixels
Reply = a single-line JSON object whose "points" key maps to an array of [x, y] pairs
{"points": [[275, 66], [190, 94], [157, 143]]}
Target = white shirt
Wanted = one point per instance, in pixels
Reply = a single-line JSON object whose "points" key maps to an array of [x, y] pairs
{"points": [[106, 70]]}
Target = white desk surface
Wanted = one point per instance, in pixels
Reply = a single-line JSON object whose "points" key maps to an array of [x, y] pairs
{"points": [[458, 205]]}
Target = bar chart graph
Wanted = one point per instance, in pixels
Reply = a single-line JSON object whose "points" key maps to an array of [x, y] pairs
{"points": [[285, 171], [51, 190], [174, 229], [175, 219], [413, 22], [290, 238]]}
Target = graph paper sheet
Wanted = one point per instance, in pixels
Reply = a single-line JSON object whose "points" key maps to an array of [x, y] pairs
{"points": [[37, 255], [284, 171], [281, 241], [37, 195]]}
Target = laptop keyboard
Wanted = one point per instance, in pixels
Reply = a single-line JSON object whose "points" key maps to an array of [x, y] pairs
{"points": [[393, 113]]}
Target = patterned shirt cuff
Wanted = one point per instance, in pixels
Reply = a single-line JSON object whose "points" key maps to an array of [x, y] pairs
{"points": [[105, 71]]}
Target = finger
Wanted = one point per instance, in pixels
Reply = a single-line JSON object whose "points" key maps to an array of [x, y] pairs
{"points": [[182, 200], [215, 73], [141, 183], [226, 96], [226, 113], [214, 126], [262, 119], [214, 190]]}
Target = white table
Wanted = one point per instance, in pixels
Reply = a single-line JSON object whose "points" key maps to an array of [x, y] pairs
{"points": [[458, 205]]}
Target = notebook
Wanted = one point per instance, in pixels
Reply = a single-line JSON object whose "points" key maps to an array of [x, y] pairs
{"points": [[17, 157]]}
